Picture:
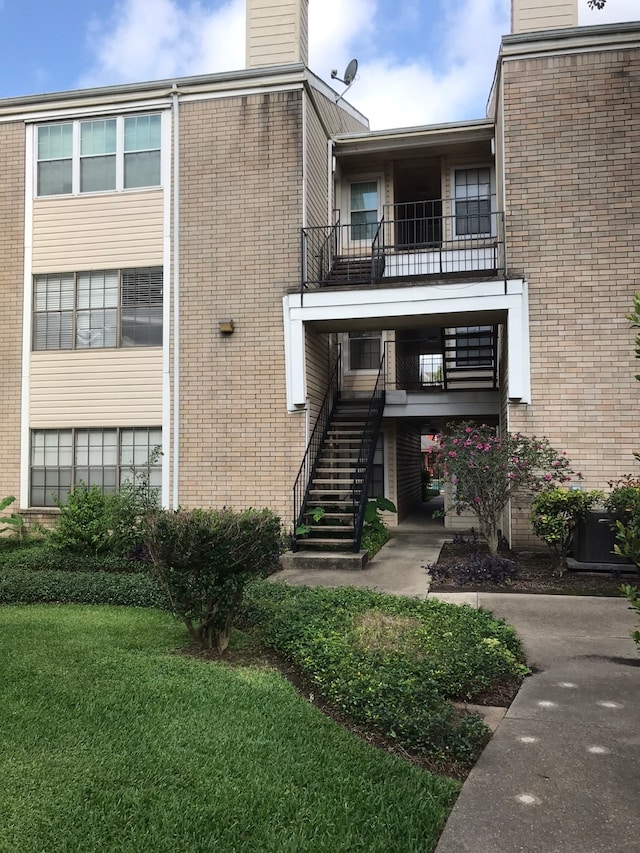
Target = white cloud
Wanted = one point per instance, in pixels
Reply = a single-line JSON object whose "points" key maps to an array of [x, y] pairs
{"points": [[450, 81], [616, 11], [395, 93], [146, 41]]}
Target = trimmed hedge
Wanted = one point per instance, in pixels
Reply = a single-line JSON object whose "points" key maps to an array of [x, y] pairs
{"points": [[72, 587], [40, 556]]}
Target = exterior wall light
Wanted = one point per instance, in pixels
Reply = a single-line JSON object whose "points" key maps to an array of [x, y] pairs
{"points": [[226, 327]]}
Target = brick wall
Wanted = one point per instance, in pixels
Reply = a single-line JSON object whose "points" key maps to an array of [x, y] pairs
{"points": [[572, 180], [240, 217], [12, 170]]}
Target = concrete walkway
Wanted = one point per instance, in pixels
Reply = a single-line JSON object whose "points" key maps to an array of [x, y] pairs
{"points": [[561, 773], [398, 568]]}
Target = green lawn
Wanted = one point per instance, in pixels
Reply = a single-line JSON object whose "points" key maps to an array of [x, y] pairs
{"points": [[110, 741]]}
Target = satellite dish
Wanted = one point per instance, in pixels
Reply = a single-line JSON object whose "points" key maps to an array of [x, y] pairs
{"points": [[349, 73]]}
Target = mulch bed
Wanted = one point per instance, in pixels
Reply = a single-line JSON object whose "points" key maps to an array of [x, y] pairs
{"points": [[534, 574]]}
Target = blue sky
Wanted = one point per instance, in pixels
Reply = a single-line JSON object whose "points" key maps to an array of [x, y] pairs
{"points": [[420, 61]]}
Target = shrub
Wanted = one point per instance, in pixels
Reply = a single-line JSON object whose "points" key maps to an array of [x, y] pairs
{"points": [[390, 662], [13, 523], [632, 594], [34, 587], [91, 521], [475, 569], [623, 505], [203, 561], [488, 469], [554, 516]]}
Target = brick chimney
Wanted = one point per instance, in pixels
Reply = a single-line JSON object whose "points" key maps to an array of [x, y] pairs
{"points": [[277, 32], [530, 15]]}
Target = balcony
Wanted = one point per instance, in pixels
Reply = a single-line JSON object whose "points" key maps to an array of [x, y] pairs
{"points": [[444, 239]]}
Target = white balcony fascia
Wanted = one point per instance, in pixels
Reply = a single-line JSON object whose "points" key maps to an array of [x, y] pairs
{"points": [[422, 301]]}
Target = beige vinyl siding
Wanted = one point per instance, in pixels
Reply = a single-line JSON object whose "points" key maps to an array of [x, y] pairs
{"points": [[277, 34], [98, 388], [316, 174], [529, 15], [334, 117], [319, 362], [98, 231]]}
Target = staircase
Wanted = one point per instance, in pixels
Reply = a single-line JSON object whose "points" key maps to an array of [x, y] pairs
{"points": [[330, 491], [347, 269], [336, 484]]}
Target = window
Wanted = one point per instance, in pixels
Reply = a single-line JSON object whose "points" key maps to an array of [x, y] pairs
{"points": [[365, 350], [473, 201], [106, 458], [474, 346], [364, 210], [98, 309], [101, 155]]}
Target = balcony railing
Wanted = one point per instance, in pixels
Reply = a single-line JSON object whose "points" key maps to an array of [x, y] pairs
{"points": [[467, 360], [445, 238]]}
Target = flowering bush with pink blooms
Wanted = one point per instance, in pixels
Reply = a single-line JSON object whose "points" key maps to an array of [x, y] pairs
{"points": [[488, 469]]}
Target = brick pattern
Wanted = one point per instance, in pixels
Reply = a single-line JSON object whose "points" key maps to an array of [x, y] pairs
{"points": [[241, 209], [12, 169], [572, 180]]}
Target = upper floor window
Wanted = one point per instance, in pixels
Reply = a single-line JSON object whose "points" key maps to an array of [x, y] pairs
{"points": [[364, 210], [473, 201], [97, 309], [100, 155]]}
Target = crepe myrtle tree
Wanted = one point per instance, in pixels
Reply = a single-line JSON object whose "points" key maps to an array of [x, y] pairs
{"points": [[488, 469]]}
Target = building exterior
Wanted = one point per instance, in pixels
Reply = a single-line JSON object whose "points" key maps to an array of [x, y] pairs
{"points": [[198, 264]]}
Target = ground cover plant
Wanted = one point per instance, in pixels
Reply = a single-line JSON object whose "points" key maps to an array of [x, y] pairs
{"points": [[391, 663], [113, 742]]}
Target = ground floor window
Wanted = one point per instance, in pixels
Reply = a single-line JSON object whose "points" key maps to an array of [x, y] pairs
{"points": [[63, 458], [365, 350]]}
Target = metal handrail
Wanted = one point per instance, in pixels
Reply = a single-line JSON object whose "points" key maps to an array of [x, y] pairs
{"points": [[435, 238], [362, 473], [310, 460]]}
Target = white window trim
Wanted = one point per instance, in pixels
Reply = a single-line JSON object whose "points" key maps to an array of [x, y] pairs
{"points": [[119, 155], [463, 167], [345, 198]]}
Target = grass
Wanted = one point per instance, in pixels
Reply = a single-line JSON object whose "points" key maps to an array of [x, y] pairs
{"points": [[112, 742]]}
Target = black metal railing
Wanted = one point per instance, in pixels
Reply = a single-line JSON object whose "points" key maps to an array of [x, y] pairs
{"points": [[465, 358], [439, 238], [364, 466], [310, 459]]}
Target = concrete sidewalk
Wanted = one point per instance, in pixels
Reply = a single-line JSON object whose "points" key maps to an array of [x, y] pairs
{"points": [[561, 773]]}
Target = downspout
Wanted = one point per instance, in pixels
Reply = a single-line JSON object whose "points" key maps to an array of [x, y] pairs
{"points": [[175, 110]]}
